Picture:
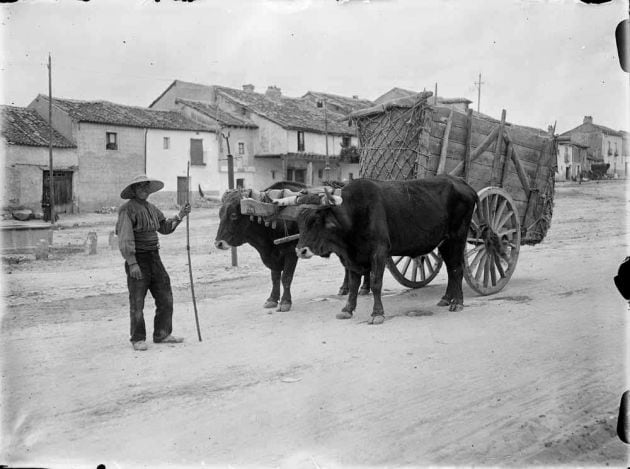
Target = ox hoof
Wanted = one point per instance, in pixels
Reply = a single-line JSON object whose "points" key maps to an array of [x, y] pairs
{"points": [[364, 291], [376, 320], [270, 304], [443, 302], [344, 315], [284, 307], [342, 292], [456, 307]]}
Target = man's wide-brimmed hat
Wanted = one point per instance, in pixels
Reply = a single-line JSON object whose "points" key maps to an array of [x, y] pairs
{"points": [[154, 186]]}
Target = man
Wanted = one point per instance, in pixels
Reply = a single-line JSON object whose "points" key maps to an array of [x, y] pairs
{"points": [[137, 227]]}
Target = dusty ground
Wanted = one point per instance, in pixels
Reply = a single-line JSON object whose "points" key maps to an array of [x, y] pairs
{"points": [[530, 376]]}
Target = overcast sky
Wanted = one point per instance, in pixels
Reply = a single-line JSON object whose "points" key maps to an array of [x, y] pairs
{"points": [[542, 61]]}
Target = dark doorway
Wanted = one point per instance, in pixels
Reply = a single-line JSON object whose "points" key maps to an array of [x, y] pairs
{"points": [[62, 185], [297, 175]]}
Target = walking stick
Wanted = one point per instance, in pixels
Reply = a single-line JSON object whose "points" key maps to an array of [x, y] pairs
{"points": [[192, 285]]}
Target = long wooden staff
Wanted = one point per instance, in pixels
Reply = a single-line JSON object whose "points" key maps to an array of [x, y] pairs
{"points": [[192, 285]]}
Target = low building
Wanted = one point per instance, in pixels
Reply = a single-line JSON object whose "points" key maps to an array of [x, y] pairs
{"points": [[291, 138], [115, 142], [25, 154], [233, 131], [572, 160], [603, 145]]}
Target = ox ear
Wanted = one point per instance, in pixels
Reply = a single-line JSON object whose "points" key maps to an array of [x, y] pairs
{"points": [[330, 222]]}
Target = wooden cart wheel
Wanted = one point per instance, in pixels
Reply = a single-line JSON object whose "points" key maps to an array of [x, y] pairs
{"points": [[494, 240], [415, 272]]}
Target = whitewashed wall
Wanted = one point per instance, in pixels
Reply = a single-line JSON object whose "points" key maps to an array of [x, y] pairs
{"points": [[169, 164]]}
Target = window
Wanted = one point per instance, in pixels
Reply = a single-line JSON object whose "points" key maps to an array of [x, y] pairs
{"points": [[111, 141], [300, 141], [240, 183], [346, 141], [196, 151], [273, 174], [320, 173], [350, 176], [241, 148], [166, 144]]}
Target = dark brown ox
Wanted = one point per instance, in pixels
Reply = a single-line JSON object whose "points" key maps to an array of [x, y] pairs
{"points": [[236, 229], [378, 219]]}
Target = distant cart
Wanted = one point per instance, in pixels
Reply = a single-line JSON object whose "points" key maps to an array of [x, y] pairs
{"points": [[511, 167]]}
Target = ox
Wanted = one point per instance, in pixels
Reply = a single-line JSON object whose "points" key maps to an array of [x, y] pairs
{"points": [[236, 229], [378, 219]]}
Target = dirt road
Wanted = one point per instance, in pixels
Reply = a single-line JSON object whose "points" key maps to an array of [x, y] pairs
{"points": [[530, 376]]}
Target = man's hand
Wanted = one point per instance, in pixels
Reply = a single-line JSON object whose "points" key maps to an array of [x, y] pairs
{"points": [[184, 211], [135, 272]]}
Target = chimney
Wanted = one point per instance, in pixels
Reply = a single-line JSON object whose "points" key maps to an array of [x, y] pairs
{"points": [[588, 120], [273, 92], [550, 129], [355, 96], [249, 88]]}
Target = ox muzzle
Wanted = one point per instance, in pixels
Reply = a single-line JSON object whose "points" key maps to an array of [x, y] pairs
{"points": [[221, 244], [304, 252]]}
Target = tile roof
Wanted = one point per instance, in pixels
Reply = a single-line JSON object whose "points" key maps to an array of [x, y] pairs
{"points": [[105, 112], [344, 102], [290, 113], [22, 126], [220, 115], [590, 127]]}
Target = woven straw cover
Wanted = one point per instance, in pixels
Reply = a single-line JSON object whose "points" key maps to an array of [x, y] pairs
{"points": [[390, 143]]}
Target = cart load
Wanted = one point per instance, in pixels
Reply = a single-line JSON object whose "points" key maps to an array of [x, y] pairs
{"points": [[510, 166]]}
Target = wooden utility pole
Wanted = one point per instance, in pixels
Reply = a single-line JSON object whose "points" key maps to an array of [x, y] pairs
{"points": [[51, 186], [478, 85], [230, 164], [327, 165], [322, 103]]}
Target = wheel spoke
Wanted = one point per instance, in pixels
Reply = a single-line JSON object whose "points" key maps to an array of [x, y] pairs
{"points": [[493, 203], [482, 262], [406, 266], [414, 270], [503, 220], [486, 210], [423, 260], [398, 259], [436, 258], [493, 273], [497, 262], [499, 212], [474, 250]]}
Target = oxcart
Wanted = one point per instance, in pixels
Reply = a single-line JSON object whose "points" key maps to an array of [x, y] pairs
{"points": [[511, 167]]}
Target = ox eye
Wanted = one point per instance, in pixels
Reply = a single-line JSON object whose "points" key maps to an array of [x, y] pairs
{"points": [[234, 217]]}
